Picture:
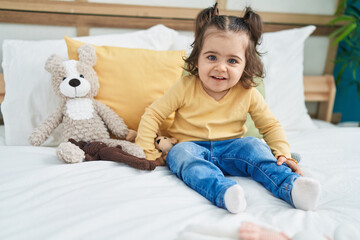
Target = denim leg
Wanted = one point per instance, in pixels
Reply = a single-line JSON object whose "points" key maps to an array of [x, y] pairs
{"points": [[251, 157], [191, 163]]}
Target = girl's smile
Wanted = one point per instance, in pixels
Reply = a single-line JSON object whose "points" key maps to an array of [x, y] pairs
{"points": [[219, 78]]}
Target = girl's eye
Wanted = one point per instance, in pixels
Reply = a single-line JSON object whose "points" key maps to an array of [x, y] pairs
{"points": [[82, 76], [232, 61], [211, 58]]}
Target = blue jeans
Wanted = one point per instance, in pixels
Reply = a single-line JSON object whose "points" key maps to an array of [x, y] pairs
{"points": [[203, 164]]}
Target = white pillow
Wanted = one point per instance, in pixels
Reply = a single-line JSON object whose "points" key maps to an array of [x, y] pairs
{"points": [[284, 89], [183, 42], [157, 37], [283, 62], [29, 98]]}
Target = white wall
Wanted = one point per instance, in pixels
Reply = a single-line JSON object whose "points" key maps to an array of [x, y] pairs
{"points": [[165, 3], [326, 7], [323, 7]]}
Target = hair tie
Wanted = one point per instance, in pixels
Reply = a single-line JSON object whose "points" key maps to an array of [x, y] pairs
{"points": [[215, 11]]}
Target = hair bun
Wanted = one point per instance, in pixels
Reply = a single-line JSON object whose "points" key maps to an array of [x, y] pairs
{"points": [[254, 22], [205, 17]]}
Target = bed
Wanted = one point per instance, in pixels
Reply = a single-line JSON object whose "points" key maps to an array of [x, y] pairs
{"points": [[43, 198]]}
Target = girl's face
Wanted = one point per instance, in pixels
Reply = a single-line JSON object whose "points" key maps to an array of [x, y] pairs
{"points": [[221, 61]]}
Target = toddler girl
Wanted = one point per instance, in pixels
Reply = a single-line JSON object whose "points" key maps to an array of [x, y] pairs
{"points": [[210, 108]]}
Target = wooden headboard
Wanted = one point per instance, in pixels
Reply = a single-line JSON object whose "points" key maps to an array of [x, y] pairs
{"points": [[2, 88], [321, 89], [83, 15]]}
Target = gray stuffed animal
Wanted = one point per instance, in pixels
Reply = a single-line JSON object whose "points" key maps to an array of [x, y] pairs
{"points": [[83, 117]]}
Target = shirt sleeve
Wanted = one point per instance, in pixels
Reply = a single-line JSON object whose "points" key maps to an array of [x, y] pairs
{"points": [[268, 125], [153, 117]]}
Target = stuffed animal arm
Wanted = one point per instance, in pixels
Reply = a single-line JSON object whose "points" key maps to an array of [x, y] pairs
{"points": [[41, 133], [115, 124]]}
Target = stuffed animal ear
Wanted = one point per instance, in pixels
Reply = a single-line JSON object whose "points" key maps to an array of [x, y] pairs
{"points": [[87, 54], [53, 63], [173, 140]]}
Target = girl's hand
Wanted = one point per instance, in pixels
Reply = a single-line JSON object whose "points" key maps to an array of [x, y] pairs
{"points": [[131, 135], [292, 165]]}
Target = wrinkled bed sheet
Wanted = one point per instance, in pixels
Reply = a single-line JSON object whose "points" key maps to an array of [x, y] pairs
{"points": [[43, 198]]}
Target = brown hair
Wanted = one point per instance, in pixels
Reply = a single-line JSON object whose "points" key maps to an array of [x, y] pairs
{"points": [[250, 24]]}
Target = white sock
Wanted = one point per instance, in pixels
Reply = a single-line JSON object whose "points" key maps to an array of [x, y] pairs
{"points": [[234, 199], [306, 193]]}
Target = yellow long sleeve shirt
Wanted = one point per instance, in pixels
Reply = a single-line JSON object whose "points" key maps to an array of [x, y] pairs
{"points": [[199, 117]]}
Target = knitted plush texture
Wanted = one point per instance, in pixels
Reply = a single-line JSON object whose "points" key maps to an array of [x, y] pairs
{"points": [[100, 151], [83, 117]]}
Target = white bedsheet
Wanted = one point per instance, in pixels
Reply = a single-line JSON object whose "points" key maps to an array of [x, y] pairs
{"points": [[43, 198], [2, 135]]}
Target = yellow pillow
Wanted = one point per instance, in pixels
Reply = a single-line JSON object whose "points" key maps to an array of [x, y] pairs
{"points": [[131, 79]]}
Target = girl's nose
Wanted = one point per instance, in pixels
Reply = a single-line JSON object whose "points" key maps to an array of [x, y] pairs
{"points": [[221, 67]]}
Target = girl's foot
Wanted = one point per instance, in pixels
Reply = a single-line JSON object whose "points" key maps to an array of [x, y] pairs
{"points": [[306, 193], [234, 199]]}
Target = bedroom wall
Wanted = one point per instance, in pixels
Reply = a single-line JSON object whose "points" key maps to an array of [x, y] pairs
{"points": [[314, 63], [315, 47]]}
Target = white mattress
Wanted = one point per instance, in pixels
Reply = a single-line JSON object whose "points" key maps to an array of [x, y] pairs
{"points": [[43, 198]]}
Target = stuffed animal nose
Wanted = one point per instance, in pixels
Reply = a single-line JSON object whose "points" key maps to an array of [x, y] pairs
{"points": [[74, 82]]}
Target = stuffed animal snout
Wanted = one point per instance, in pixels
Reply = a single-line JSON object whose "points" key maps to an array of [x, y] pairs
{"points": [[74, 84]]}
